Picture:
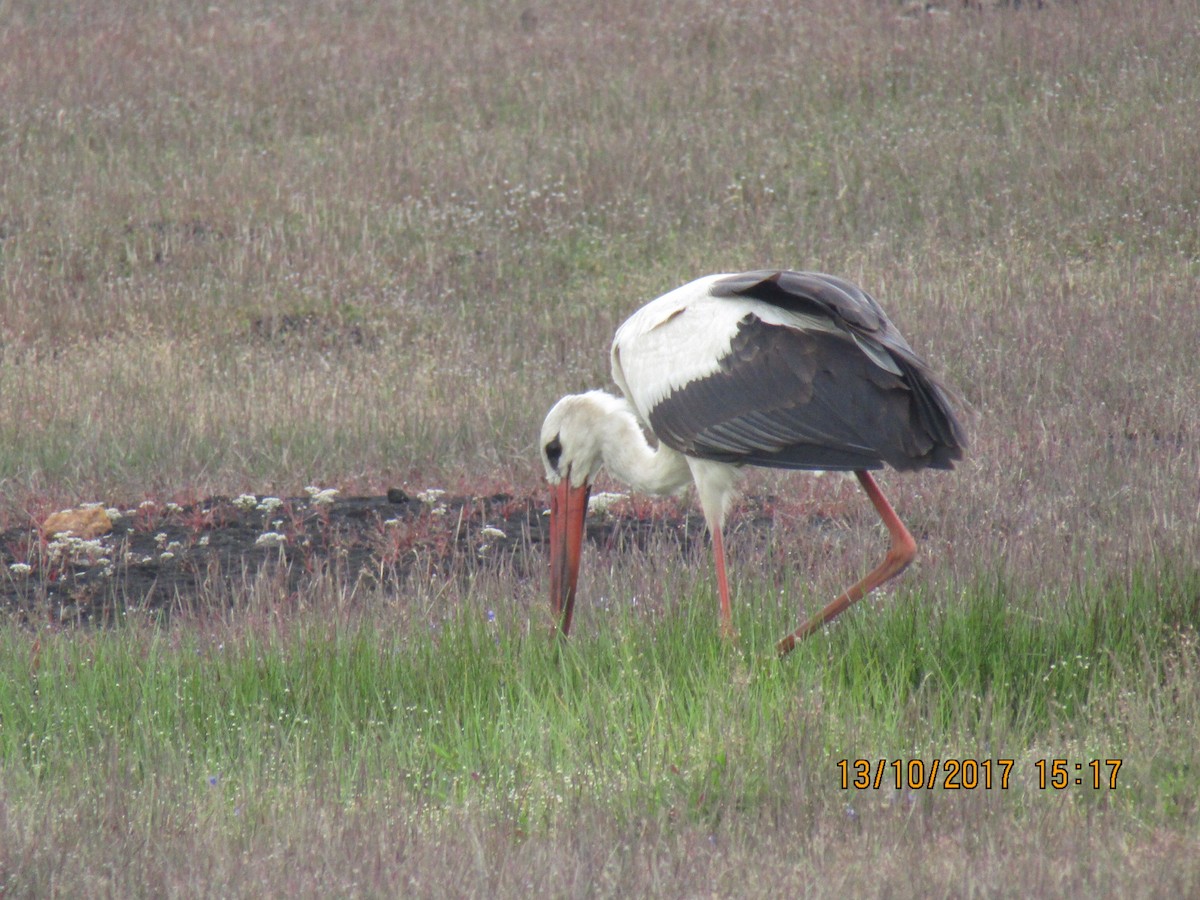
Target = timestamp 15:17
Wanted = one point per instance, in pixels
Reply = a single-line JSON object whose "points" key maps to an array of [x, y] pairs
{"points": [[1061, 773]]}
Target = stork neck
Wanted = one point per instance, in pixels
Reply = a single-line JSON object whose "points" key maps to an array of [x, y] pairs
{"points": [[646, 469]]}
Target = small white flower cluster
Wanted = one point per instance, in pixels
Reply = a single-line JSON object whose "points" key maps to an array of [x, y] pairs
{"points": [[66, 548], [20, 569], [600, 503], [321, 496], [488, 533], [432, 497], [250, 503], [271, 539], [167, 548]]}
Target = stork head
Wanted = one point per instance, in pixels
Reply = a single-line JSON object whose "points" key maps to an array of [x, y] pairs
{"points": [[573, 437], [572, 443]]}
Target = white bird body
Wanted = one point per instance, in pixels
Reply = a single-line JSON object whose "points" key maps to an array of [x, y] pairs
{"points": [[781, 369]]}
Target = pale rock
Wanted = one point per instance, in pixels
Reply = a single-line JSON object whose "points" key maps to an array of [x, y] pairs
{"points": [[86, 523]]}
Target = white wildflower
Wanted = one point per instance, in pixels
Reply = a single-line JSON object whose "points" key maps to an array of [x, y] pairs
{"points": [[601, 502], [20, 569], [269, 504], [431, 495], [271, 539], [68, 546], [322, 496], [490, 532], [246, 501]]}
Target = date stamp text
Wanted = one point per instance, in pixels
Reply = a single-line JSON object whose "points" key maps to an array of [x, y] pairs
{"points": [[970, 774]]}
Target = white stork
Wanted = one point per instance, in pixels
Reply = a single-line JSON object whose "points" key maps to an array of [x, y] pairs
{"points": [[790, 370]]}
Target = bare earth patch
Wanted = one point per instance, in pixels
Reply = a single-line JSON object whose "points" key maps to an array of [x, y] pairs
{"points": [[165, 556]]}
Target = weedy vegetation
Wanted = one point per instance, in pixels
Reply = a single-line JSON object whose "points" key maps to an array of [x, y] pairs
{"points": [[252, 247]]}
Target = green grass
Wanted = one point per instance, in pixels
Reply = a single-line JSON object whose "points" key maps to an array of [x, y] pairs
{"points": [[258, 729], [644, 716]]}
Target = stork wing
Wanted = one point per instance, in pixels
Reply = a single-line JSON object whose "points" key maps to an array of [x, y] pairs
{"points": [[784, 369]]}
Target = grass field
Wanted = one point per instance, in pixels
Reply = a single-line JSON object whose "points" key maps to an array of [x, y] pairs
{"points": [[254, 247]]}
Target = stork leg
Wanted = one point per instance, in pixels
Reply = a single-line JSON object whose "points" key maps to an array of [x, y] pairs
{"points": [[901, 553], [722, 583]]}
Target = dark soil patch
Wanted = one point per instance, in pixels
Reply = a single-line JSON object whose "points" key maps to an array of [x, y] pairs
{"points": [[163, 557]]}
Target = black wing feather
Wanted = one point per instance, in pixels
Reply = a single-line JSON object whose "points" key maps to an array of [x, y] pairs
{"points": [[828, 404]]}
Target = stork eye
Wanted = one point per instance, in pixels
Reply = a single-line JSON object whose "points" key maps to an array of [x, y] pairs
{"points": [[554, 452]]}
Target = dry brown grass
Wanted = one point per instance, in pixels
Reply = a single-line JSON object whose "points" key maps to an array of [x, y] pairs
{"points": [[249, 249], [930, 847]]}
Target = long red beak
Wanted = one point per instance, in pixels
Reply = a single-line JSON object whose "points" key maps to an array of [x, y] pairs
{"points": [[568, 513]]}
